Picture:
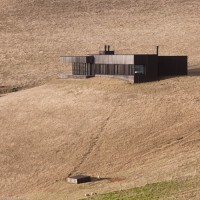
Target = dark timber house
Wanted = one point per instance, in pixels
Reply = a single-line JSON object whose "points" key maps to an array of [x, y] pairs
{"points": [[139, 67]]}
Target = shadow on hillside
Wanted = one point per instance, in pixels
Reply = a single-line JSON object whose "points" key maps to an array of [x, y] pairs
{"points": [[194, 72], [95, 179], [191, 72]]}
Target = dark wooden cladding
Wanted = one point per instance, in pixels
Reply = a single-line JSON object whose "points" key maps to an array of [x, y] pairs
{"points": [[150, 63], [172, 65]]}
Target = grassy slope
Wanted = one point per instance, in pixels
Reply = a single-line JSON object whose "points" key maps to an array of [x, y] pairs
{"points": [[185, 189], [143, 133], [34, 33]]}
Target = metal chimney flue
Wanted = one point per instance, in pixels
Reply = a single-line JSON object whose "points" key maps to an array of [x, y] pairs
{"points": [[157, 50], [107, 51], [105, 48]]}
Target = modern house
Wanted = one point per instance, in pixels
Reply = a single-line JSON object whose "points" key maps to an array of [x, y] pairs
{"points": [[138, 68]]}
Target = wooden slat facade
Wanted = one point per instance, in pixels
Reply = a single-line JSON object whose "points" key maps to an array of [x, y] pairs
{"points": [[114, 69], [83, 69], [92, 69]]}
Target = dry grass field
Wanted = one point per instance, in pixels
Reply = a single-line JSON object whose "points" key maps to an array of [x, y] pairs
{"points": [[136, 134], [34, 33]]}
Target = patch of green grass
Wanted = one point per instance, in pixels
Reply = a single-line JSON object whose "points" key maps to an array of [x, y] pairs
{"points": [[154, 191]]}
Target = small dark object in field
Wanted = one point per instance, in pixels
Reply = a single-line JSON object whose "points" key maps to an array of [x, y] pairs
{"points": [[79, 179]]}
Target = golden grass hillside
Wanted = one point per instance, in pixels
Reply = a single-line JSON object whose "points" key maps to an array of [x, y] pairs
{"points": [[135, 134], [138, 133], [34, 33]]}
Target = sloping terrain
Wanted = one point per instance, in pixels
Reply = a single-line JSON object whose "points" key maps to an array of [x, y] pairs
{"points": [[162, 190], [141, 133], [34, 33], [134, 133]]}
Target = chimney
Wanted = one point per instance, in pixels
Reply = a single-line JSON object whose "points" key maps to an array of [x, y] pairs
{"points": [[157, 50], [105, 48], [108, 47]]}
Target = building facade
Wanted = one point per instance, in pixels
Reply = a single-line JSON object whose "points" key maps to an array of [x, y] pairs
{"points": [[140, 67]]}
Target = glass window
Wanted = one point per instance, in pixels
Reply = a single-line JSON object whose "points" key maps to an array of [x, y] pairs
{"points": [[139, 69]]}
